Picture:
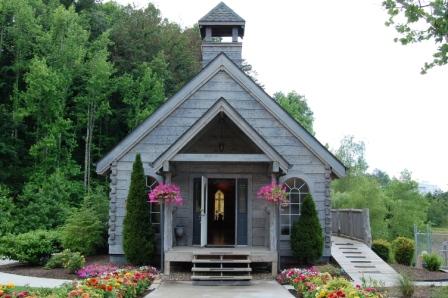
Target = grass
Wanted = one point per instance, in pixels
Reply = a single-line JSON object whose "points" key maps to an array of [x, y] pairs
{"points": [[439, 292], [442, 230]]}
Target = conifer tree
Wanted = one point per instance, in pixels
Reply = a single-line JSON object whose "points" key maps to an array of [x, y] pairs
{"points": [[306, 235], [138, 236]]}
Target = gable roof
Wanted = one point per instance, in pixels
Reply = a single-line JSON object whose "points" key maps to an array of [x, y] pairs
{"points": [[221, 13], [221, 106], [222, 63]]}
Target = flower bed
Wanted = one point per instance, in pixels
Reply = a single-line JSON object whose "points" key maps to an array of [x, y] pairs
{"points": [[94, 270], [125, 283], [311, 283]]}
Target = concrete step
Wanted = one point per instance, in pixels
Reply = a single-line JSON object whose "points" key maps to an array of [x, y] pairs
{"points": [[225, 277], [208, 269], [214, 261]]}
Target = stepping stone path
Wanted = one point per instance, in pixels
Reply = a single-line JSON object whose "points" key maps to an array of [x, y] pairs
{"points": [[358, 260]]}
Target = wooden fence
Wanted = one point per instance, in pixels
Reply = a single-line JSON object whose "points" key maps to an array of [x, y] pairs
{"points": [[352, 223]]}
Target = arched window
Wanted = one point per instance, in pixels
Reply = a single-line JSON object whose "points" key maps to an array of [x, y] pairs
{"points": [[289, 213], [152, 182]]}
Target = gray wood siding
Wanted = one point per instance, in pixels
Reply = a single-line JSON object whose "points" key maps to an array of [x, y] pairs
{"points": [[304, 164]]}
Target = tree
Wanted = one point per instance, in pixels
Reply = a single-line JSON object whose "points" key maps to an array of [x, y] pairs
{"points": [[438, 208], [296, 105], [417, 21], [363, 191], [138, 236], [306, 234], [351, 153], [406, 206], [6, 210]]}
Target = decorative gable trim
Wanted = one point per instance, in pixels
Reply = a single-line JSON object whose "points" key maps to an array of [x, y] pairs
{"points": [[221, 106]]}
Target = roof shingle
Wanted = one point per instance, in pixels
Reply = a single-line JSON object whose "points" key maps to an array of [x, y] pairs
{"points": [[221, 14]]}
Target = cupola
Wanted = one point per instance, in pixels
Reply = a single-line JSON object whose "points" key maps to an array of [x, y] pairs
{"points": [[217, 25]]}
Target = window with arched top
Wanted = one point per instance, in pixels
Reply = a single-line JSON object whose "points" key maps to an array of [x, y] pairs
{"points": [[152, 182], [296, 189]]}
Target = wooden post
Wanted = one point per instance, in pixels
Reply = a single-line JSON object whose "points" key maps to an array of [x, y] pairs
{"points": [[366, 227], [168, 227], [234, 34]]}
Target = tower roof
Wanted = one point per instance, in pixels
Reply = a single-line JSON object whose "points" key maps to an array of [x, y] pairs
{"points": [[223, 15]]}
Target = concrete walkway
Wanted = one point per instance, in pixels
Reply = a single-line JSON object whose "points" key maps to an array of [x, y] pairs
{"points": [[257, 289], [36, 282], [358, 260]]}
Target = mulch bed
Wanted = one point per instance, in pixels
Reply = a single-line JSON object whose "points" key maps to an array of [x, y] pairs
{"points": [[418, 274], [40, 271]]}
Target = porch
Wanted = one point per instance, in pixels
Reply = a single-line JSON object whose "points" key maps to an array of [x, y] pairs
{"points": [[216, 256]]}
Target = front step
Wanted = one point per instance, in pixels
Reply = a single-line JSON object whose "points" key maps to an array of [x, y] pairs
{"points": [[216, 268]]}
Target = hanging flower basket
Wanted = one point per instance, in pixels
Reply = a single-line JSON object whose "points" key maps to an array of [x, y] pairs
{"points": [[166, 193], [273, 193]]}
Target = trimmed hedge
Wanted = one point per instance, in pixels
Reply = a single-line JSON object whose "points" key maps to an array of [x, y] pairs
{"points": [[34, 247], [306, 234], [403, 250], [382, 248]]}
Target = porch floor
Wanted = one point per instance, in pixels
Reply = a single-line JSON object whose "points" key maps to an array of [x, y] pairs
{"points": [[186, 253]]}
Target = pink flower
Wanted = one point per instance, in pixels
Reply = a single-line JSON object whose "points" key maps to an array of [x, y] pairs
{"points": [[168, 193], [274, 193]]}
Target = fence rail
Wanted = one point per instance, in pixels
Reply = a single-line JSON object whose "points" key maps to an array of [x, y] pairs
{"points": [[352, 223]]}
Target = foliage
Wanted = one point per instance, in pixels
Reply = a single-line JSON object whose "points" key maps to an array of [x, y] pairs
{"points": [[363, 192], [417, 21], [351, 154], [131, 283], [310, 283], [165, 193], [273, 193], [73, 261], [407, 286], [438, 208], [432, 261], [296, 105], [403, 249], [85, 229], [138, 236], [306, 234], [62, 105], [382, 248], [34, 247], [6, 211], [406, 206], [94, 270]]}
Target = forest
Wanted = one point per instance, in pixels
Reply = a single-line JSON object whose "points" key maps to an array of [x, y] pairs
{"points": [[78, 76]]}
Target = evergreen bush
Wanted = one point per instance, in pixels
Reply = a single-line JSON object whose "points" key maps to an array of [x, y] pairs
{"points": [[73, 261], [306, 234], [382, 248], [33, 247], [138, 236], [432, 261], [403, 250]]}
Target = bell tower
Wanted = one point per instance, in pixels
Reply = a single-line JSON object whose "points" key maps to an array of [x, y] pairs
{"points": [[217, 25]]}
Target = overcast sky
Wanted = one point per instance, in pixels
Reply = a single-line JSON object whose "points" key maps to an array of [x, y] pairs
{"points": [[357, 80]]}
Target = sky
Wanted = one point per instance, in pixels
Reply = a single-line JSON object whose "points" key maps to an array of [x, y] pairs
{"points": [[357, 80]]}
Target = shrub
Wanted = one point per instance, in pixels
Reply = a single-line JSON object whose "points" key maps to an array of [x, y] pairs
{"points": [[382, 248], [82, 231], [73, 261], [403, 250], [138, 236], [34, 247], [306, 235], [432, 261], [407, 286]]}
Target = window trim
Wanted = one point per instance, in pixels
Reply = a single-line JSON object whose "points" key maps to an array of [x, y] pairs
{"points": [[298, 184], [154, 183]]}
